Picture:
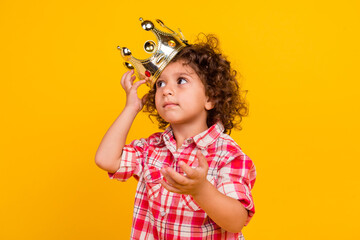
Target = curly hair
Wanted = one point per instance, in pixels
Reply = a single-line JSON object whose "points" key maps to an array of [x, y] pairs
{"points": [[220, 83]]}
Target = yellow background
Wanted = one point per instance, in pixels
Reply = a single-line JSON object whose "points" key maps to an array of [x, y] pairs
{"points": [[60, 73]]}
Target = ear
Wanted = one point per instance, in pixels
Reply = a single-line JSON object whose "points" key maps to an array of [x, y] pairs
{"points": [[209, 104]]}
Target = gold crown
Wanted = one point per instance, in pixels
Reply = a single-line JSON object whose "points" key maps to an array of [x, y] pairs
{"points": [[168, 45]]}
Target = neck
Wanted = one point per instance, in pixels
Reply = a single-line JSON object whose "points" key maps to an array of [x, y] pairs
{"points": [[185, 131]]}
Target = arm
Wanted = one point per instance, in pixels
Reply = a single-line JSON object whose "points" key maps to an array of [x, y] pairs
{"points": [[109, 152], [227, 212]]}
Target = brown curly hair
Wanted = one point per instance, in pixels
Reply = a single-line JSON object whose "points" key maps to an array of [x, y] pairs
{"points": [[220, 83]]}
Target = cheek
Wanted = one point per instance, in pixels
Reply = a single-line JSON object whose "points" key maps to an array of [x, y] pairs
{"points": [[157, 100]]}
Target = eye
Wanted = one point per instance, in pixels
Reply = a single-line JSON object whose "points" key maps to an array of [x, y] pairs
{"points": [[182, 81], [160, 84]]}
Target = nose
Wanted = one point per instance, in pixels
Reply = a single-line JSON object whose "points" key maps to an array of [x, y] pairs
{"points": [[168, 90]]}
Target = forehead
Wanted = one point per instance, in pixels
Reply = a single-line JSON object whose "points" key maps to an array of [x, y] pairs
{"points": [[177, 68]]}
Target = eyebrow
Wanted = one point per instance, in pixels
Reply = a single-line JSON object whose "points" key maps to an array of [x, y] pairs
{"points": [[179, 74], [190, 72], [185, 73]]}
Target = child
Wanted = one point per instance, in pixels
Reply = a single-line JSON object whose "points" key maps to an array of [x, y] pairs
{"points": [[194, 181]]}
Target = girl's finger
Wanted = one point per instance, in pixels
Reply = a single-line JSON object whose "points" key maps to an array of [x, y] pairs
{"points": [[127, 80], [131, 81], [123, 79], [168, 179], [190, 172], [202, 160], [177, 178], [133, 77], [138, 83], [169, 187]]}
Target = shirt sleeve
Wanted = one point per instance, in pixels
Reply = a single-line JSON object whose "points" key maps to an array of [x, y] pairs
{"points": [[236, 179], [131, 163]]}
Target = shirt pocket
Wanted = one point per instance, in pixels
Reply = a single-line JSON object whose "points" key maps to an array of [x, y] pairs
{"points": [[152, 178], [187, 200]]}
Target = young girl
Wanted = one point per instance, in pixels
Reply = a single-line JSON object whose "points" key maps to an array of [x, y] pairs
{"points": [[194, 181]]}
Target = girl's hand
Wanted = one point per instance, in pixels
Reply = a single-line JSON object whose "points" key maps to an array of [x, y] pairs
{"points": [[132, 99], [192, 183]]}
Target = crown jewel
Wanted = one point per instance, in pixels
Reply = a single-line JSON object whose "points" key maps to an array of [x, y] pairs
{"points": [[168, 45]]}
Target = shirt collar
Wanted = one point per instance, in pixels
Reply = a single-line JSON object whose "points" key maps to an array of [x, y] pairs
{"points": [[202, 140]]}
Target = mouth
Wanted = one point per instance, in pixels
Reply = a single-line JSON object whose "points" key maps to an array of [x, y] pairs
{"points": [[170, 105]]}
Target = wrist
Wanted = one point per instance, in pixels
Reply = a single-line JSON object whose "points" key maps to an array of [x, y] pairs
{"points": [[204, 192], [131, 109]]}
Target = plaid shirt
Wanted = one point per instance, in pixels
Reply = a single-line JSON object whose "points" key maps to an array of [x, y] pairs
{"points": [[160, 214]]}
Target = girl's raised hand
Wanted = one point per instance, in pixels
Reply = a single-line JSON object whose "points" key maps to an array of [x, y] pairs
{"points": [[132, 99]]}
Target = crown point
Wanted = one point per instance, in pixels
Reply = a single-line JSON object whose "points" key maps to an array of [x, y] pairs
{"points": [[160, 22], [126, 51], [128, 65], [147, 25], [149, 46]]}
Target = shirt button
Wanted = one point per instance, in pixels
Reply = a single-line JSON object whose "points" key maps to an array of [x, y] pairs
{"points": [[163, 214], [148, 176]]}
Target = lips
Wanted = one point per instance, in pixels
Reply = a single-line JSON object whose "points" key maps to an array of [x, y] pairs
{"points": [[170, 104]]}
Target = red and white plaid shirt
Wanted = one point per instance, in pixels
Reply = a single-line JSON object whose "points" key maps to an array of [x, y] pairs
{"points": [[160, 214]]}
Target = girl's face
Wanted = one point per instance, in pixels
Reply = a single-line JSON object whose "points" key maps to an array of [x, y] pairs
{"points": [[180, 95]]}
